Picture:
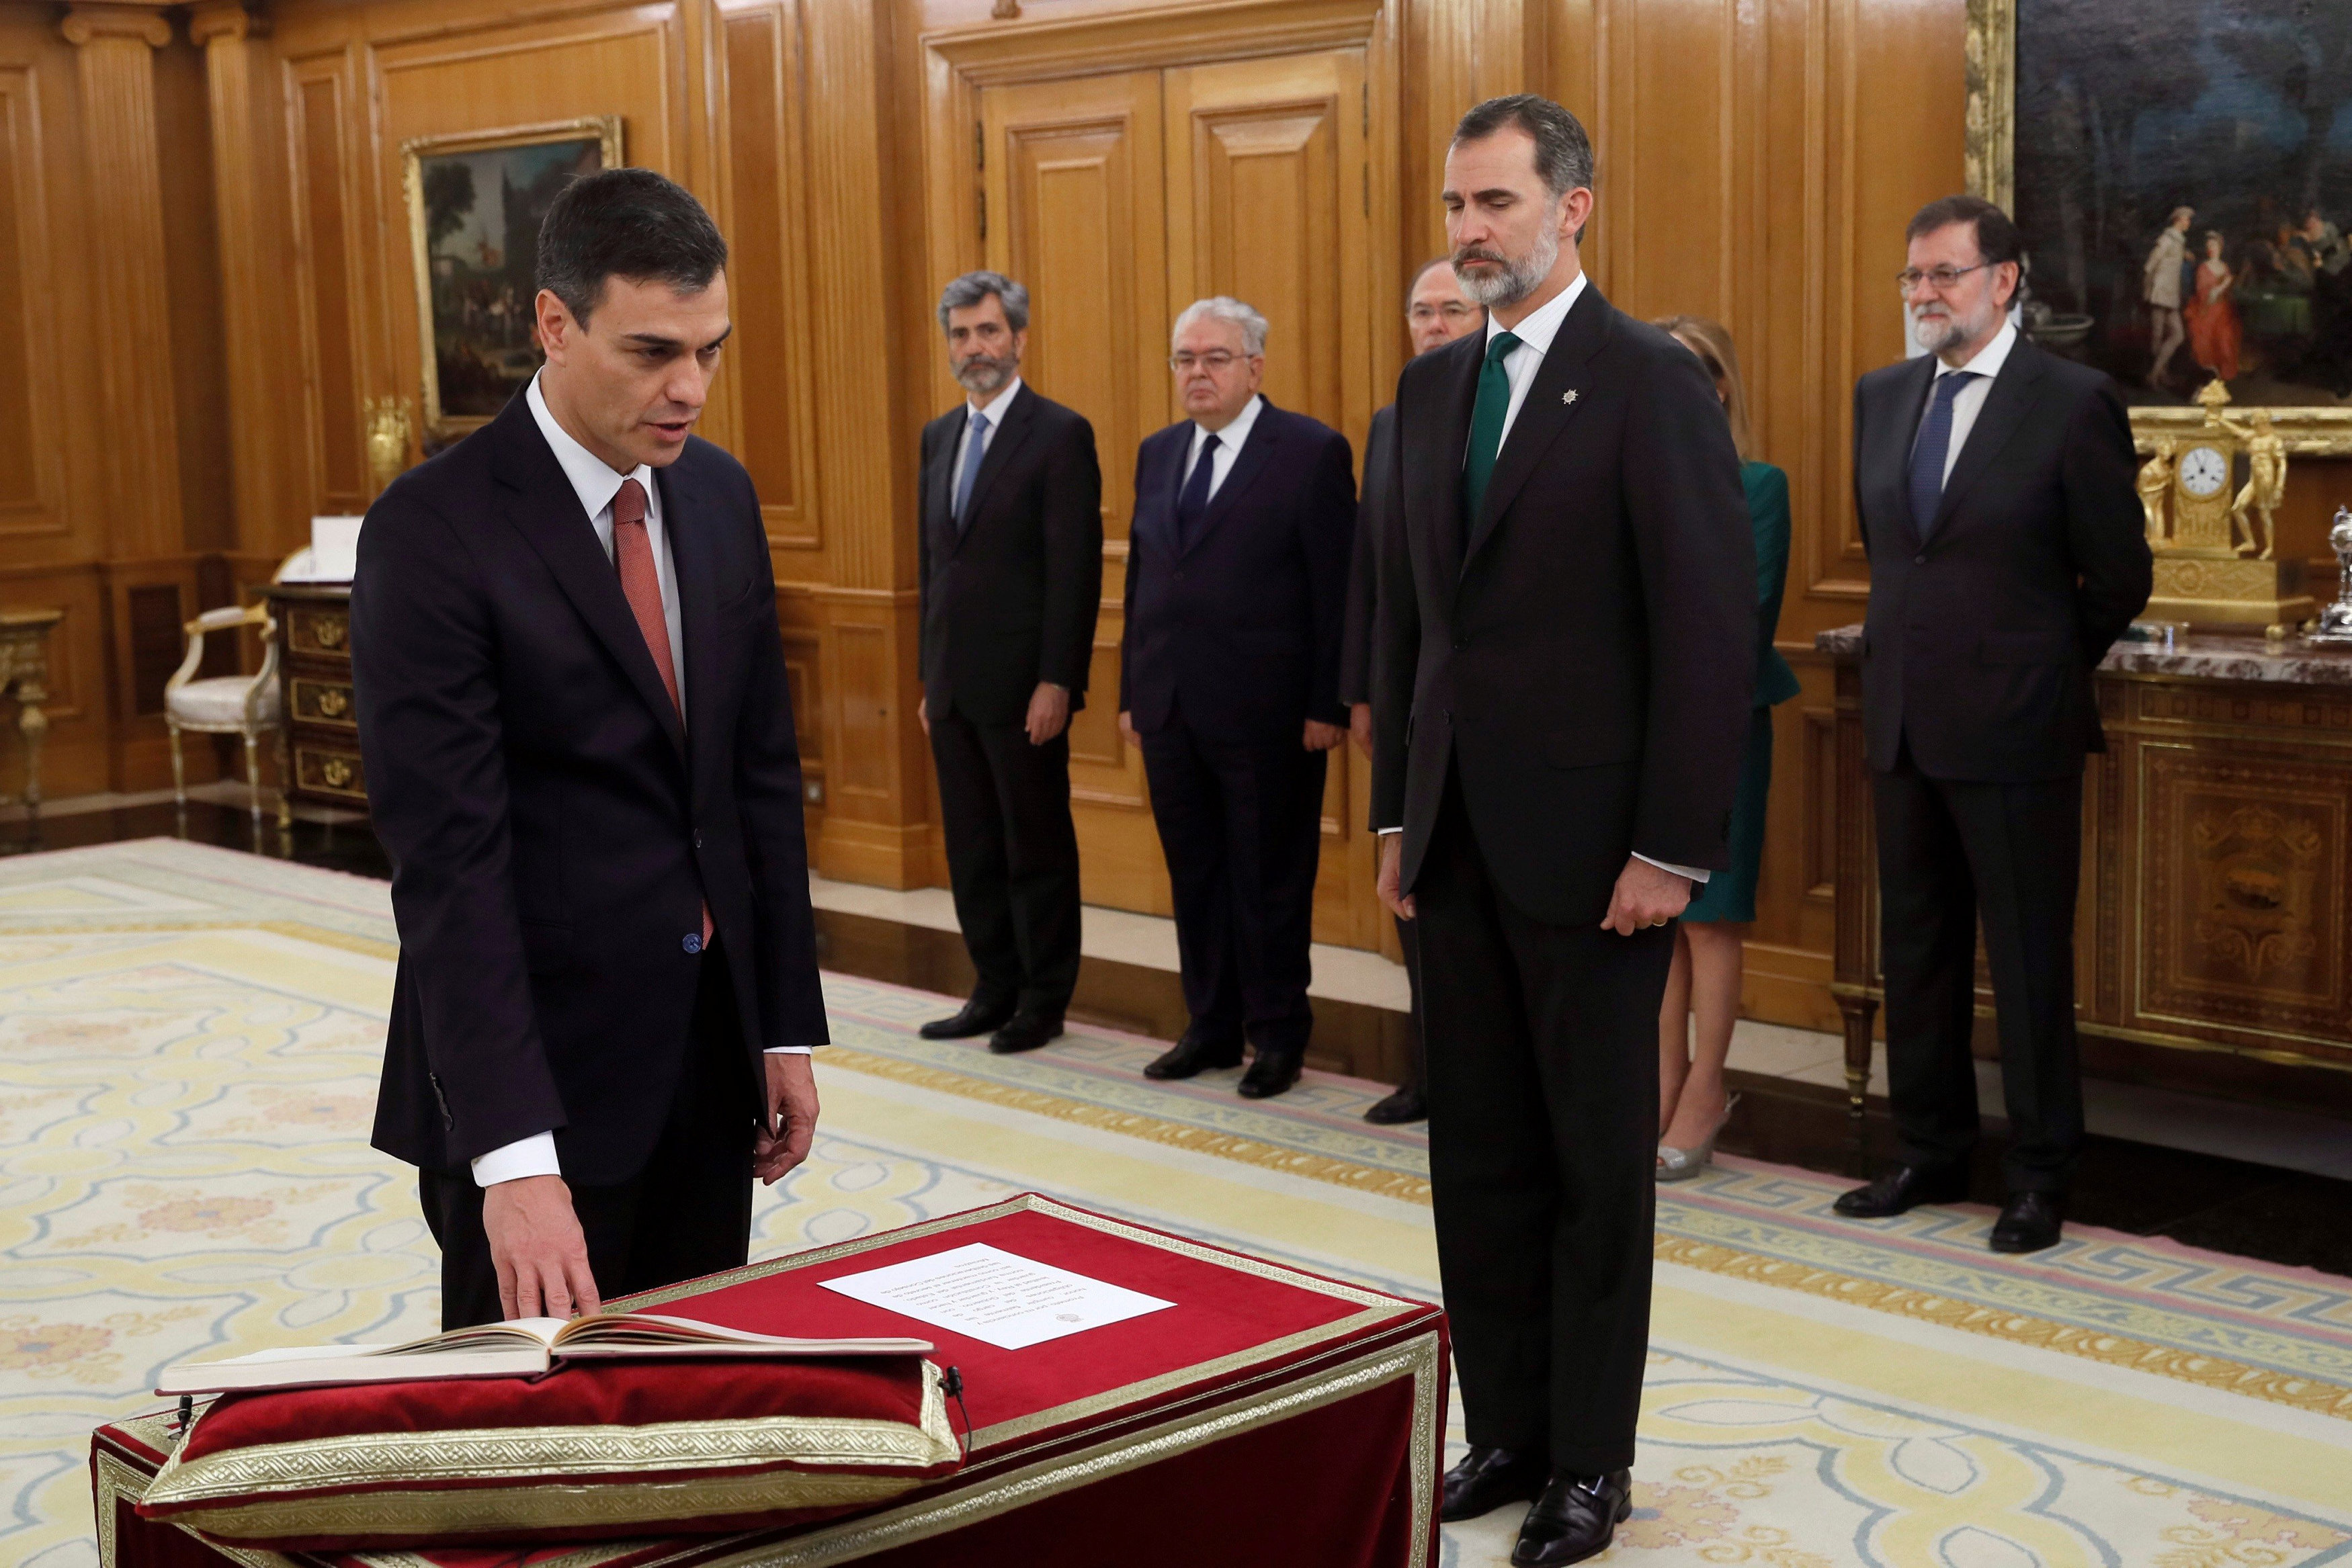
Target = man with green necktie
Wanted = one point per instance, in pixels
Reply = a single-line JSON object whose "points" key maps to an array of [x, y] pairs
{"points": [[1561, 684]]}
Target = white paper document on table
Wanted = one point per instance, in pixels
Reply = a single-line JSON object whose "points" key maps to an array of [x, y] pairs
{"points": [[997, 1297]]}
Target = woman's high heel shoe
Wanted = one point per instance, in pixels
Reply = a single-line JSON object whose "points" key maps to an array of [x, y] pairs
{"points": [[1681, 1165]]}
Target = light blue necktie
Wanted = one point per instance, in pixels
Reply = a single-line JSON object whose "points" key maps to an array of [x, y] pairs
{"points": [[1934, 443], [974, 449]]}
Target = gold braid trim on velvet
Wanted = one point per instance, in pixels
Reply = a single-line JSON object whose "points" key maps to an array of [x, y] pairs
{"points": [[548, 1457], [933, 1516]]}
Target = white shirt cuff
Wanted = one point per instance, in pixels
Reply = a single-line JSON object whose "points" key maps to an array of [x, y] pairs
{"points": [[791, 1051], [1691, 872], [1385, 832], [531, 1157]]}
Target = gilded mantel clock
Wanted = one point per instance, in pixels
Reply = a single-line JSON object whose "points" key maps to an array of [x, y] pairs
{"points": [[2204, 575]]}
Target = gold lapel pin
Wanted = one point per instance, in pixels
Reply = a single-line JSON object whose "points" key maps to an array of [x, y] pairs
{"points": [[1568, 397]]}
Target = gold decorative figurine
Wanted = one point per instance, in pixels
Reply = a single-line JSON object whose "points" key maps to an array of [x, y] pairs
{"points": [[2154, 482], [2265, 484], [2202, 574], [388, 430]]}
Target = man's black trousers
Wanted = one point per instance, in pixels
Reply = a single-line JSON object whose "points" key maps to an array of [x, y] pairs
{"points": [[1013, 858], [1242, 827], [1542, 1048], [686, 1214], [1950, 853]]}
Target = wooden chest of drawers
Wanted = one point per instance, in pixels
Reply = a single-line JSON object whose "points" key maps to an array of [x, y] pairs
{"points": [[322, 746]]}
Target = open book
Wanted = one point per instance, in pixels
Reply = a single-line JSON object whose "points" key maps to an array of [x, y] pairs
{"points": [[523, 1347]]}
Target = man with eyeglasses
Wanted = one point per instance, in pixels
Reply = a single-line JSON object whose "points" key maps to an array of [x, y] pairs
{"points": [[1993, 482], [1436, 312], [1229, 685]]}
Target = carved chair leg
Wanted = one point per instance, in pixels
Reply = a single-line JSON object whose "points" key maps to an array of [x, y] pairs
{"points": [[285, 780], [179, 772]]}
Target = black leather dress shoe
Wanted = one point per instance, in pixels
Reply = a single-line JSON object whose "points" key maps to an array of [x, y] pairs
{"points": [[1407, 1104], [1025, 1031], [1902, 1189], [2029, 1222], [978, 1016], [1576, 1518], [1195, 1054], [1271, 1073], [1487, 1479]]}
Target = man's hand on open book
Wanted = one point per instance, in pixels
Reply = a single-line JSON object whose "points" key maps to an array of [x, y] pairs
{"points": [[536, 1244], [784, 1141]]}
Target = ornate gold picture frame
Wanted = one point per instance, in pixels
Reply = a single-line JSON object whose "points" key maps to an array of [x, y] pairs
{"points": [[2258, 242], [474, 202]]}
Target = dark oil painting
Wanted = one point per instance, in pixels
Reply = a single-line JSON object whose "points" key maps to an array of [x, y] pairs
{"points": [[2183, 178], [481, 217]]}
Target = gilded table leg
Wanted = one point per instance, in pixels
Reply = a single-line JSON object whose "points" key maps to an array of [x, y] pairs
{"points": [[34, 726], [1859, 1013]]}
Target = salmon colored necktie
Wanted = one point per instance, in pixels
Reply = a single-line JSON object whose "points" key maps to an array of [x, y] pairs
{"points": [[632, 552]]}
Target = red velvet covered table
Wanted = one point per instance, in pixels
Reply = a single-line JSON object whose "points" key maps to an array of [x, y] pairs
{"points": [[1270, 1417]]}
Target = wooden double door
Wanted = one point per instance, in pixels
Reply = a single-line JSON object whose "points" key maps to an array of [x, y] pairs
{"points": [[1117, 199]]}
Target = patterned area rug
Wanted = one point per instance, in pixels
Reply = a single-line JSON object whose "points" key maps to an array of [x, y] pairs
{"points": [[188, 1047]]}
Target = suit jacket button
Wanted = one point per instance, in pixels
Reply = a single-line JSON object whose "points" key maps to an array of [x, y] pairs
{"points": [[1918, 560], [1179, 576], [691, 942], [697, 839]]}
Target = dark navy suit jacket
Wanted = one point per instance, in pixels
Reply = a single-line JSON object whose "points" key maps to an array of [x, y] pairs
{"points": [[1239, 630], [554, 830]]}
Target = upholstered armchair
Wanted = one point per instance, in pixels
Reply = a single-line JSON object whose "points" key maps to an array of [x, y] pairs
{"points": [[249, 706]]}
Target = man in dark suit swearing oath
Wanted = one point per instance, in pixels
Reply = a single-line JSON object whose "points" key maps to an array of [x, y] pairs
{"points": [[579, 748]]}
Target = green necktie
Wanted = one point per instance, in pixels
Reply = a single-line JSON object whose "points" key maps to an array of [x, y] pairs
{"points": [[1486, 425]]}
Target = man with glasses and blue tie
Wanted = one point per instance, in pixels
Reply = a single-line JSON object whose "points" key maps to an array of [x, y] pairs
{"points": [[1010, 548], [1229, 685], [1994, 485]]}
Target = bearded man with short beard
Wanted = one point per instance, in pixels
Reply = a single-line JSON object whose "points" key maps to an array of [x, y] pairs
{"points": [[1010, 547], [1560, 680]]}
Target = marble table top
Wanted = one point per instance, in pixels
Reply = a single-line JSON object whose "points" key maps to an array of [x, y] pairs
{"points": [[2203, 655]]}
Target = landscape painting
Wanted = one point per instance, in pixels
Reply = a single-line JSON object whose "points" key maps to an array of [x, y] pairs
{"points": [[2182, 175], [475, 203]]}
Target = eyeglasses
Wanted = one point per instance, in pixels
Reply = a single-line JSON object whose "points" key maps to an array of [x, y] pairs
{"points": [[1217, 361], [1942, 278], [1458, 311]]}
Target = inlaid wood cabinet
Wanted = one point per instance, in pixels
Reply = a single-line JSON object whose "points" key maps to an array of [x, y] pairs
{"points": [[320, 749]]}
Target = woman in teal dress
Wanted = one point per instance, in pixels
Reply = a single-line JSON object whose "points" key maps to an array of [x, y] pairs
{"points": [[1702, 1000]]}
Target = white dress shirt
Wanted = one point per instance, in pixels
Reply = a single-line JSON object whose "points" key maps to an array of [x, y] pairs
{"points": [[596, 483], [1229, 446], [1969, 400], [1535, 334], [993, 411]]}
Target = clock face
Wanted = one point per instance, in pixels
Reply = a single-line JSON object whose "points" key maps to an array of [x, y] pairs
{"points": [[2204, 471]]}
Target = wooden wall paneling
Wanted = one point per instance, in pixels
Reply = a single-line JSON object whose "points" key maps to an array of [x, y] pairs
{"points": [[770, 382], [333, 470], [1074, 180], [129, 261], [863, 442], [33, 521], [251, 345], [194, 352], [1283, 138], [52, 509]]}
